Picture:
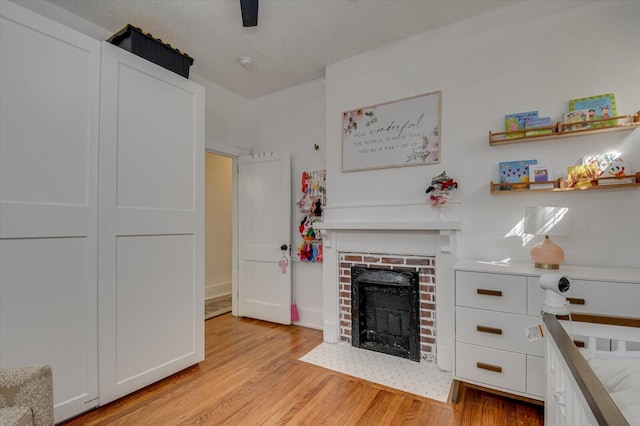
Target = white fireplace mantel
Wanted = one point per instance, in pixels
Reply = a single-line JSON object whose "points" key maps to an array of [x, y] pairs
{"points": [[430, 237], [442, 227], [427, 225]]}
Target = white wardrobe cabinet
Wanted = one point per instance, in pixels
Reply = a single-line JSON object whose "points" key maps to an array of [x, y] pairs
{"points": [[49, 87], [151, 236], [107, 291]]}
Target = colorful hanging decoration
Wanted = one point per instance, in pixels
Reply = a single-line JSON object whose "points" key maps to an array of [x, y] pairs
{"points": [[313, 193], [312, 206], [440, 190], [311, 248]]}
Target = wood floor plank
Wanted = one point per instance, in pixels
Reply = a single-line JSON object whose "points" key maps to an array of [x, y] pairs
{"points": [[364, 402], [252, 375], [264, 407], [328, 400], [382, 409], [402, 413]]}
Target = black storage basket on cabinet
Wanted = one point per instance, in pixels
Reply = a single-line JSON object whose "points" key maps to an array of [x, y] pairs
{"points": [[143, 44]]}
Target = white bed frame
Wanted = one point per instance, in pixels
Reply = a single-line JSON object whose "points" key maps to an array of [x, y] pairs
{"points": [[574, 395]]}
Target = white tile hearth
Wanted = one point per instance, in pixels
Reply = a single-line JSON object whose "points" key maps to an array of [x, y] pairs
{"points": [[420, 378]]}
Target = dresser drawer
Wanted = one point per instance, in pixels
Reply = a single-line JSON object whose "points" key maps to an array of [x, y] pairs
{"points": [[497, 330], [497, 292], [493, 367], [594, 297]]}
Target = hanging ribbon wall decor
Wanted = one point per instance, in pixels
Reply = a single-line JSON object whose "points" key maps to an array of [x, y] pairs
{"points": [[311, 204]]}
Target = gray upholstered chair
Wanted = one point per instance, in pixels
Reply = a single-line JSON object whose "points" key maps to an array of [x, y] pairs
{"points": [[26, 396]]}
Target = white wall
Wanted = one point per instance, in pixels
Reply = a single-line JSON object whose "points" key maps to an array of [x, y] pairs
{"points": [[510, 61], [225, 119], [533, 56], [293, 120]]}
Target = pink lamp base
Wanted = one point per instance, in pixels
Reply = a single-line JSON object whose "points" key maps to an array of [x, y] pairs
{"points": [[547, 255]]}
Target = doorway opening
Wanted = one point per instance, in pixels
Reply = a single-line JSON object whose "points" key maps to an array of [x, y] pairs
{"points": [[218, 253]]}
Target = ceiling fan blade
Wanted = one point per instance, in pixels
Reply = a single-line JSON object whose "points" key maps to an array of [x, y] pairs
{"points": [[249, 12]]}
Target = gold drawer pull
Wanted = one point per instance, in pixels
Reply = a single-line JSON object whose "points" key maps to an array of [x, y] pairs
{"points": [[486, 292], [576, 301], [495, 368], [486, 329]]}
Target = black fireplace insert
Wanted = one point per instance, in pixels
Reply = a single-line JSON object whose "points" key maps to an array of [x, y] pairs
{"points": [[385, 311]]}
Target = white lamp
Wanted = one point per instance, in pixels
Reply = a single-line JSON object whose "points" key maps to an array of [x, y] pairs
{"points": [[547, 221]]}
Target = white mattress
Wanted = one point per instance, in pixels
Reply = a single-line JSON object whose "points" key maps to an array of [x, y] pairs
{"points": [[620, 374]]}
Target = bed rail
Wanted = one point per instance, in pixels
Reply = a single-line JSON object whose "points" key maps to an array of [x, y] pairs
{"points": [[601, 408]]}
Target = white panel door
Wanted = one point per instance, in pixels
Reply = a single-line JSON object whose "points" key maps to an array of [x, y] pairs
{"points": [[151, 225], [49, 85], [264, 204]]}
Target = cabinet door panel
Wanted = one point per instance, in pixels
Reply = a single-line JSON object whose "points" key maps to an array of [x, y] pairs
{"points": [[156, 168], [151, 223], [151, 275], [49, 81], [48, 86]]}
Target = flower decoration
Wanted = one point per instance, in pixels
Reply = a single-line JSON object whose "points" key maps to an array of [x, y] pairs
{"points": [[351, 119], [440, 190], [429, 149]]}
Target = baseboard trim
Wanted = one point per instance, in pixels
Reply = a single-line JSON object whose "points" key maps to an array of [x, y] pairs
{"points": [[217, 290]]}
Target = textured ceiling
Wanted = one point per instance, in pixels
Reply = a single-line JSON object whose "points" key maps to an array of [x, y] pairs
{"points": [[294, 40]]}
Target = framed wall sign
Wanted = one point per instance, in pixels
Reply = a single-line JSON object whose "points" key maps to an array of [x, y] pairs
{"points": [[401, 133]]}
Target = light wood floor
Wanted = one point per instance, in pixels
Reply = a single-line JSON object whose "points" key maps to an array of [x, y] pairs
{"points": [[251, 376]]}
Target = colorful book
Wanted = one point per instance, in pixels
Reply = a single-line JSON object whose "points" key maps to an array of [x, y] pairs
{"points": [[579, 116], [515, 174], [602, 161], [610, 165], [582, 176], [539, 176], [534, 123], [617, 173], [598, 107], [517, 121]]}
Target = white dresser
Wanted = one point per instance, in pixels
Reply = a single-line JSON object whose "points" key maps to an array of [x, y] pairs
{"points": [[495, 303]]}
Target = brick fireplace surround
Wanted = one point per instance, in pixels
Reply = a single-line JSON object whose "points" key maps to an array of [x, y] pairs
{"points": [[425, 265]]}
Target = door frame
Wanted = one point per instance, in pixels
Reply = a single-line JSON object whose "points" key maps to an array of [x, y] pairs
{"points": [[219, 147]]}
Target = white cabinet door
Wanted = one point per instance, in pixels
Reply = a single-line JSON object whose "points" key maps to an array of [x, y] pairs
{"points": [[151, 223], [49, 81]]}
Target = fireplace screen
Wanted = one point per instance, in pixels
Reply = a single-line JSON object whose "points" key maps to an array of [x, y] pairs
{"points": [[385, 311]]}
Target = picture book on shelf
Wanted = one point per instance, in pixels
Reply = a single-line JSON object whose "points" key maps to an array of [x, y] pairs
{"points": [[580, 115], [534, 123], [610, 165], [602, 161], [517, 121], [515, 174], [540, 176], [581, 176], [598, 107]]}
